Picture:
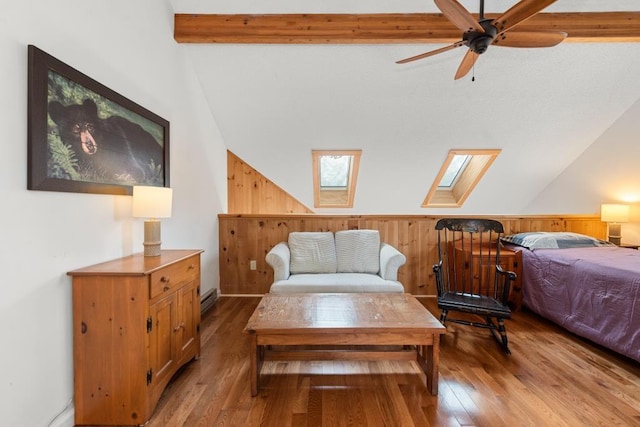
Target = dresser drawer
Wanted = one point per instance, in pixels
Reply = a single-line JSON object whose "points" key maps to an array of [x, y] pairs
{"points": [[174, 275]]}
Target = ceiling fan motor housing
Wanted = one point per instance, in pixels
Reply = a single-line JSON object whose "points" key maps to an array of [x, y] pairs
{"points": [[479, 41]]}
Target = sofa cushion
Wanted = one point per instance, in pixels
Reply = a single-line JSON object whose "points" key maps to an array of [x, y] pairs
{"points": [[312, 252], [334, 283], [358, 251]]}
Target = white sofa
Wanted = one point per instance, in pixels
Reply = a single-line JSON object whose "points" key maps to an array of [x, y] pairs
{"points": [[349, 261]]}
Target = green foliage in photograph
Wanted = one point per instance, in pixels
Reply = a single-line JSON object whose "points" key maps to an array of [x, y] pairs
{"points": [[62, 161]]}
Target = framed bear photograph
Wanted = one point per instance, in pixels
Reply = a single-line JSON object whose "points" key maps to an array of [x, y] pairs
{"points": [[84, 137]]}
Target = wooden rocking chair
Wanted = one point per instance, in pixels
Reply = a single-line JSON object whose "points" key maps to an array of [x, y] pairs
{"points": [[469, 276]]}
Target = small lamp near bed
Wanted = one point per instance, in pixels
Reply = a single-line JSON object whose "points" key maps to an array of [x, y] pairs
{"points": [[614, 215], [152, 203]]}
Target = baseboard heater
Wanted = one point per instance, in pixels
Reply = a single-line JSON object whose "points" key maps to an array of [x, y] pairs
{"points": [[208, 300]]}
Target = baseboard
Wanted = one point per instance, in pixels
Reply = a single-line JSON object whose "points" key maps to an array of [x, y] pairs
{"points": [[208, 300], [64, 418], [242, 295]]}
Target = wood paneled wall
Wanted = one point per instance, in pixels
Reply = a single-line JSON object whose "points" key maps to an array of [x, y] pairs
{"points": [[248, 191], [249, 237]]}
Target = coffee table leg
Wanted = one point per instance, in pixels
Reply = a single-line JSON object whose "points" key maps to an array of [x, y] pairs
{"points": [[428, 357], [254, 370], [433, 359]]}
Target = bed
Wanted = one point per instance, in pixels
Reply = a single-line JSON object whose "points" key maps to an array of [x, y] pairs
{"points": [[588, 286]]}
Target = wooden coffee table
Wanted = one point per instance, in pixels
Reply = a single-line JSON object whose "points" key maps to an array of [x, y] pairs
{"points": [[393, 320]]}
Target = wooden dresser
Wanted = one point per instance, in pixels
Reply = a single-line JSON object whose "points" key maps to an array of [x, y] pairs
{"points": [[510, 260], [136, 320]]}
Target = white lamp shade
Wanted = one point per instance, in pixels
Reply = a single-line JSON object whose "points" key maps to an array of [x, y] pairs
{"points": [[610, 212], [152, 202]]}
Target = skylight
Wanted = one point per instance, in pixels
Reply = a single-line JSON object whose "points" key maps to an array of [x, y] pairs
{"points": [[457, 165], [335, 174], [458, 176], [334, 171]]}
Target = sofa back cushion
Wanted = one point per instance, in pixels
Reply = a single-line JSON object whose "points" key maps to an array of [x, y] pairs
{"points": [[358, 251], [312, 252]]}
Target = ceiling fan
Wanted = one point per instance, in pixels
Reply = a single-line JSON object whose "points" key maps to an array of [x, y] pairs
{"points": [[479, 35]]}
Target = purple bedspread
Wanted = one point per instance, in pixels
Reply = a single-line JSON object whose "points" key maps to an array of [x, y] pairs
{"points": [[592, 292]]}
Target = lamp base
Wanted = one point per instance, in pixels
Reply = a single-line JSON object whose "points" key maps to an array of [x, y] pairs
{"points": [[152, 240], [615, 233]]}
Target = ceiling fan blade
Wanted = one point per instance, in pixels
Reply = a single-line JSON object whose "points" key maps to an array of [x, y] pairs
{"points": [[467, 63], [520, 12], [431, 53], [458, 15], [530, 38]]}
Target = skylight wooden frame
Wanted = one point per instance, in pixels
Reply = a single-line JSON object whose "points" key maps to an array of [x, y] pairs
{"points": [[455, 196], [335, 198]]}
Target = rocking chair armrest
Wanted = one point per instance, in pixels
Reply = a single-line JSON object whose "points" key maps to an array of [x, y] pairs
{"points": [[437, 268], [437, 271], [509, 276]]}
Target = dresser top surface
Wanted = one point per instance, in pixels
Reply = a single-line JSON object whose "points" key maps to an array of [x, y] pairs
{"points": [[136, 264]]}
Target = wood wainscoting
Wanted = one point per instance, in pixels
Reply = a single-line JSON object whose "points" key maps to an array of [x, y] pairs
{"points": [[248, 191], [243, 238]]}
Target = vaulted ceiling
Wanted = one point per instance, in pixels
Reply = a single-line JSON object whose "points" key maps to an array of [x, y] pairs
{"points": [[284, 77]]}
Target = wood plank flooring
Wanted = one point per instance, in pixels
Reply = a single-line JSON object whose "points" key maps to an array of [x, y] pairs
{"points": [[552, 378]]}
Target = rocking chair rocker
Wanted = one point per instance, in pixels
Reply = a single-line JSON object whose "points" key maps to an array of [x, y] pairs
{"points": [[469, 276]]}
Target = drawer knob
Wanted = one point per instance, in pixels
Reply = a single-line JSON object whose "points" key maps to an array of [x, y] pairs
{"points": [[164, 279], [192, 267]]}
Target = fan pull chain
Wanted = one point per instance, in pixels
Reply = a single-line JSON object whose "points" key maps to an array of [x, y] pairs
{"points": [[473, 73]]}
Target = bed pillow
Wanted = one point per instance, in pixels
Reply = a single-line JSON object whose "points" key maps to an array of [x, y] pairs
{"points": [[312, 252], [553, 240], [358, 251]]}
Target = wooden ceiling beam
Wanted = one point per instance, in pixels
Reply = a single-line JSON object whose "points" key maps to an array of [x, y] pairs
{"points": [[387, 28]]}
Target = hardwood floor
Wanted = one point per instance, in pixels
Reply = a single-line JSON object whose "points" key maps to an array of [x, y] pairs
{"points": [[552, 378]]}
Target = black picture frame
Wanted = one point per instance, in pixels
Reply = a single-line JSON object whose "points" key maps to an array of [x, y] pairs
{"points": [[86, 138]]}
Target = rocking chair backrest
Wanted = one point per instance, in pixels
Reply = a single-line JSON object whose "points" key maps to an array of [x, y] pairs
{"points": [[469, 252]]}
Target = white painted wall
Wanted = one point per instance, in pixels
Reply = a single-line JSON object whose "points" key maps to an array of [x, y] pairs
{"points": [[607, 172], [127, 46]]}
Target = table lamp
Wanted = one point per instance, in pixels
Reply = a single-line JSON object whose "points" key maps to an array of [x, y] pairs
{"points": [[152, 203], [614, 214]]}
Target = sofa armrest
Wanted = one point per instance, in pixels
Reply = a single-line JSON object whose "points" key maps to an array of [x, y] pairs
{"points": [[391, 260], [278, 258]]}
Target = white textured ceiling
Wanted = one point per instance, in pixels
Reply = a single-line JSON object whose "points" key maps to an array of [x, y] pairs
{"points": [[542, 107]]}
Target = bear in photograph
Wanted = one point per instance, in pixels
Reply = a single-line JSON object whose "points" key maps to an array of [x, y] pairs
{"points": [[112, 149]]}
